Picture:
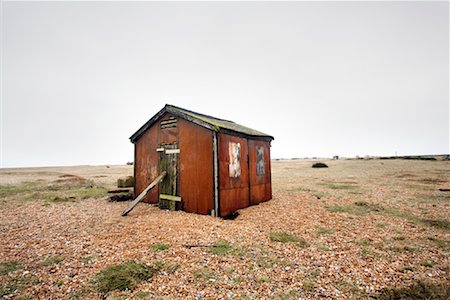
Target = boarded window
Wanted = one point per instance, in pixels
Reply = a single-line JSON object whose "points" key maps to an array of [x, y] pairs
{"points": [[235, 159], [169, 132], [260, 165], [172, 122]]}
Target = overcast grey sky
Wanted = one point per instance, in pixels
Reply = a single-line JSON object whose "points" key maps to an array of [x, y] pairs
{"points": [[324, 78]]}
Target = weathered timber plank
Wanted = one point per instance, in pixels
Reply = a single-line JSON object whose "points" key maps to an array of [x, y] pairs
{"points": [[170, 197], [142, 195], [118, 191]]}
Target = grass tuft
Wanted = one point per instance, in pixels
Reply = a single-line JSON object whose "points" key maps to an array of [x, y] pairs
{"points": [[284, 237], [125, 276], [444, 244], [221, 248], [143, 295], [9, 266], [205, 274], [358, 208], [159, 247], [51, 261], [428, 264], [419, 290], [65, 190], [440, 224], [324, 230], [339, 209]]}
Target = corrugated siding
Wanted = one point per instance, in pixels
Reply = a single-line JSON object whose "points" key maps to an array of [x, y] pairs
{"points": [[196, 167], [147, 163], [234, 192], [260, 185]]}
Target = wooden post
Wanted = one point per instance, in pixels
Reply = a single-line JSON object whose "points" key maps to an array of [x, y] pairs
{"points": [[142, 195]]}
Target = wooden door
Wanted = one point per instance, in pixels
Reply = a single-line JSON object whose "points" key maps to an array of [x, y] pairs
{"points": [[168, 188]]}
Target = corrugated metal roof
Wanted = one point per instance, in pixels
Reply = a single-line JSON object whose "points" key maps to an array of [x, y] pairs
{"points": [[203, 120]]}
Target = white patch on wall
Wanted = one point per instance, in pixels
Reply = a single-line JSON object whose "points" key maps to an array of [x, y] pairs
{"points": [[235, 159], [260, 165]]}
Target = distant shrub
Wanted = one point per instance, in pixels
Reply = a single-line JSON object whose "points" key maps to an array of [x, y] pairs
{"points": [[319, 165]]}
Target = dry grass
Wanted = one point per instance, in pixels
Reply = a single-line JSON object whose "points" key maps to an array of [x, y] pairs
{"points": [[374, 229]]}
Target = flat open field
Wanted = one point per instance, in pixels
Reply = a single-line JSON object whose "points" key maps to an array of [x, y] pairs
{"points": [[358, 229]]}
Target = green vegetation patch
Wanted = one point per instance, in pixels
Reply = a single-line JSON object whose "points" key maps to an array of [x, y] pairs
{"points": [[13, 287], [443, 244], [357, 208], [221, 248], [159, 247], [440, 224], [205, 274], [363, 207], [125, 276], [340, 208], [368, 252], [67, 189], [23, 187], [286, 295], [143, 295], [324, 230], [264, 279], [168, 267], [284, 237], [9, 266], [323, 247], [427, 264], [363, 242], [339, 186], [419, 290], [52, 260], [91, 192]]}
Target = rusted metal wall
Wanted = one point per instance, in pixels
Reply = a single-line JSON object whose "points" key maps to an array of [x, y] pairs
{"points": [[147, 158], [241, 184], [233, 191], [147, 163], [196, 167], [260, 176]]}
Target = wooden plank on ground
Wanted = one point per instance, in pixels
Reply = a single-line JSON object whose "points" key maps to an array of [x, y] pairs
{"points": [[142, 195], [170, 197], [118, 191]]}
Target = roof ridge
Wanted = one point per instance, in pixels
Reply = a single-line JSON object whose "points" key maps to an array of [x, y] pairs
{"points": [[199, 114], [209, 122]]}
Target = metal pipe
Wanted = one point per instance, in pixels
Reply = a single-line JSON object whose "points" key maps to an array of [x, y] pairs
{"points": [[216, 175]]}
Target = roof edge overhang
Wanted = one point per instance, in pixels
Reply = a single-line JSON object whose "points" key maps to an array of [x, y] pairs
{"points": [[247, 136], [176, 112], [170, 109]]}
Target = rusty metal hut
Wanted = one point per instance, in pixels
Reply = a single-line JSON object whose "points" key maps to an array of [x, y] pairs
{"points": [[213, 166]]}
